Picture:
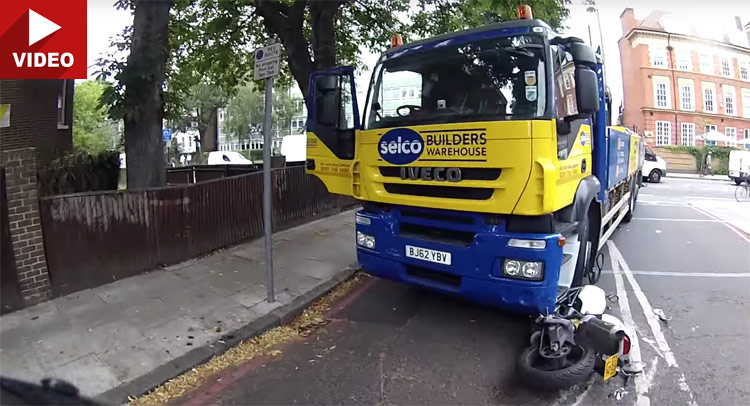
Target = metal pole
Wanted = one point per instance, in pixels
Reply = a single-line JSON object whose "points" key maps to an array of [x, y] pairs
{"points": [[601, 41], [267, 190]]}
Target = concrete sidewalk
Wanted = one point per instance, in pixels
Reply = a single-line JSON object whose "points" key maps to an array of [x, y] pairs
{"points": [[697, 176], [126, 337]]}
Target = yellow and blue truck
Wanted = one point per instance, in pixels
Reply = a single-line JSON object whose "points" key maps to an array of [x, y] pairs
{"points": [[495, 176]]}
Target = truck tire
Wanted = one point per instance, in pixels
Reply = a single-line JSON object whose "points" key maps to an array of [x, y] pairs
{"points": [[578, 370], [586, 251], [654, 176], [632, 201], [737, 181]]}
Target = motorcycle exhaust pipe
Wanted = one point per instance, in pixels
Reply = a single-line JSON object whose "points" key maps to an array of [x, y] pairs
{"points": [[605, 337]]}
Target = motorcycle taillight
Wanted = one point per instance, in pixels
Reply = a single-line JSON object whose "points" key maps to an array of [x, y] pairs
{"points": [[625, 345]]}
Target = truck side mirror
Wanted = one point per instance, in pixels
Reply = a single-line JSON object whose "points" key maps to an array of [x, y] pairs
{"points": [[587, 91], [327, 99]]}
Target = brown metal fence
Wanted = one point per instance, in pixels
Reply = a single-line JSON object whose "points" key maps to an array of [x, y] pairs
{"points": [[95, 238]]}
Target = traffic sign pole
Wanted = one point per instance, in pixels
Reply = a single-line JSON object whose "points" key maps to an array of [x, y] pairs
{"points": [[266, 67]]}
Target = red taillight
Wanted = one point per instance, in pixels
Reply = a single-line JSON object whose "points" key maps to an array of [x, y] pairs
{"points": [[625, 345]]}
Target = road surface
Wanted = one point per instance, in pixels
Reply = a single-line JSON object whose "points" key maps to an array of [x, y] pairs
{"points": [[392, 344]]}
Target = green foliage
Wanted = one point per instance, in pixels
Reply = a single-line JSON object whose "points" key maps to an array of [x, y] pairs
{"points": [[93, 132], [80, 171], [245, 112], [211, 41], [441, 16], [719, 156]]}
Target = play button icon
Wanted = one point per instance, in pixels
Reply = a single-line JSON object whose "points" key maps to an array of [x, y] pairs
{"points": [[39, 27]]}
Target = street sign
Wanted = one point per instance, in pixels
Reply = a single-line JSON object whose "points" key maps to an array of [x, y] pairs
{"points": [[166, 135], [267, 61]]}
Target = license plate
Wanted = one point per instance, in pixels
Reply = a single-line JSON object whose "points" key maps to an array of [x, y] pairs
{"points": [[610, 367], [438, 257]]}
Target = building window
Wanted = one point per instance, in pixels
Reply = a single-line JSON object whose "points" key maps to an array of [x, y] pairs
{"points": [[729, 100], [566, 82], [688, 134], [709, 101], [725, 71], [683, 59], [746, 103], [731, 133], [658, 56], [747, 135], [411, 92], [709, 128], [686, 95], [743, 71], [707, 64], [661, 95], [663, 133]]}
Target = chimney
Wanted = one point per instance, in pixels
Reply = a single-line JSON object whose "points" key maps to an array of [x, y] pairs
{"points": [[627, 21]]}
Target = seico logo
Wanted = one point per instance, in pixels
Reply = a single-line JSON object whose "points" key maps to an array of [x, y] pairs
{"points": [[400, 146]]}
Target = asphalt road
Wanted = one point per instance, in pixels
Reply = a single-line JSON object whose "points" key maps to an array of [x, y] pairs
{"points": [[391, 344]]}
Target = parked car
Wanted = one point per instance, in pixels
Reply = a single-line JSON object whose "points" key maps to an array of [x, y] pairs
{"points": [[227, 158], [739, 166], [654, 167]]}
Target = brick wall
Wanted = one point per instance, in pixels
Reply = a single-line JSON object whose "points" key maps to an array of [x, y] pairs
{"points": [[34, 116], [25, 224]]}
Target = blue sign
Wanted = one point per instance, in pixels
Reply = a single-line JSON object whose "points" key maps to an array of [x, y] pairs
{"points": [[166, 135], [401, 146]]}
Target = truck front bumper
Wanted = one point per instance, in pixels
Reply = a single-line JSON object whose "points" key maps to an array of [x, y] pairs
{"points": [[477, 256]]}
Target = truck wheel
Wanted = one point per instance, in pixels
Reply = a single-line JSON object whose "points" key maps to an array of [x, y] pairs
{"points": [[737, 181], [631, 202], [534, 371], [654, 176], [586, 251]]}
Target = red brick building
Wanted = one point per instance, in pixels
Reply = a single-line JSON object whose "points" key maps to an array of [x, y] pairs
{"points": [[41, 115], [678, 84]]}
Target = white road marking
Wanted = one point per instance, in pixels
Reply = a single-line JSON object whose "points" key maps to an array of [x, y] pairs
{"points": [[641, 385], [731, 227], [729, 199], [690, 274], [680, 220], [648, 311], [651, 319]]}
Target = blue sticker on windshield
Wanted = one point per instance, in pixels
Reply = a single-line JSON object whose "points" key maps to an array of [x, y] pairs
{"points": [[400, 146]]}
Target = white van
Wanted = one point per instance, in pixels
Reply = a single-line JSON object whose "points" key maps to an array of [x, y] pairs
{"points": [[739, 165], [294, 148], [654, 167], [227, 158]]}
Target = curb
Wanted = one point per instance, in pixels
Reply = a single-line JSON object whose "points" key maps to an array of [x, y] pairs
{"points": [[698, 178], [279, 316]]}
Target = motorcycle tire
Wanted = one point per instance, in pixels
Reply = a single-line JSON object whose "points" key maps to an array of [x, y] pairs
{"points": [[538, 377]]}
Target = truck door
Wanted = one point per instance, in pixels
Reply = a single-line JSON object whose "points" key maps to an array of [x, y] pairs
{"points": [[332, 124]]}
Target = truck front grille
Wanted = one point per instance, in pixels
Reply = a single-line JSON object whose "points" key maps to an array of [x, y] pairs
{"points": [[450, 192], [466, 173], [436, 234]]}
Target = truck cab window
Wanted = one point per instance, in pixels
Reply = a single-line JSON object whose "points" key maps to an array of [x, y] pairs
{"points": [[493, 79], [565, 101]]}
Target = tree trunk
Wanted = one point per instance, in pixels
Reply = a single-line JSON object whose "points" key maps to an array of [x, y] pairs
{"points": [[323, 16], [144, 103], [210, 133]]}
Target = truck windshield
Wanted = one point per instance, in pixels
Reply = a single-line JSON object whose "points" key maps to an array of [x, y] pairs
{"points": [[493, 79]]}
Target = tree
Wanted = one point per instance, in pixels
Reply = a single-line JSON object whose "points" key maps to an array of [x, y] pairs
{"points": [[138, 96], [212, 41], [246, 112], [93, 132], [204, 100]]}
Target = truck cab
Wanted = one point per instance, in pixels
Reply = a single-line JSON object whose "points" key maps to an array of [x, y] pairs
{"points": [[487, 175]]}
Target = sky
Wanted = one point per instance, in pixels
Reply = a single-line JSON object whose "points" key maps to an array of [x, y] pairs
{"points": [[104, 21]]}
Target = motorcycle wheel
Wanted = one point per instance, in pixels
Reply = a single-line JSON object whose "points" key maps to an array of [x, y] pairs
{"points": [[535, 370]]}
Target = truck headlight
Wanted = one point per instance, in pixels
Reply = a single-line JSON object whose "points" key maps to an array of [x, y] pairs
{"points": [[528, 270], [365, 240]]}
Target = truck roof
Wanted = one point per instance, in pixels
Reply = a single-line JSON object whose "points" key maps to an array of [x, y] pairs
{"points": [[505, 25]]}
